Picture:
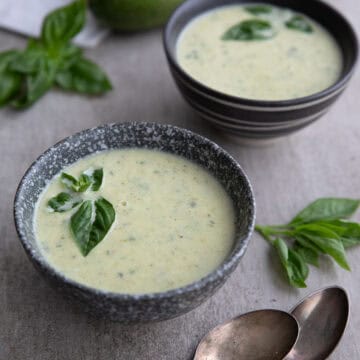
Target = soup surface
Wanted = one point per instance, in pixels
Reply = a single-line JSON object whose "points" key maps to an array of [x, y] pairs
{"points": [[174, 224], [289, 65]]}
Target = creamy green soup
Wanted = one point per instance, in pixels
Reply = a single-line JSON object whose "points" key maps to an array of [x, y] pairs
{"points": [[291, 64], [174, 224]]}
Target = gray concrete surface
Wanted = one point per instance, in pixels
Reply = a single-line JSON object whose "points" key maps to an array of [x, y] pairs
{"points": [[322, 160]]}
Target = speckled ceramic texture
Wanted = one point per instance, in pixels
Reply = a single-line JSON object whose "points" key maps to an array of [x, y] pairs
{"points": [[146, 307], [257, 119]]}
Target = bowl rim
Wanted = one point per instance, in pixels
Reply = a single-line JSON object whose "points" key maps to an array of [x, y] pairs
{"points": [[261, 104], [217, 274]]}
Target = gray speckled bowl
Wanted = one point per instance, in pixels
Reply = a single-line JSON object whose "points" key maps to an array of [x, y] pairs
{"points": [[145, 307]]}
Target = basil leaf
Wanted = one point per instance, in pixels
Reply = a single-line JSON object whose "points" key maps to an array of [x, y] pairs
{"points": [[259, 9], [299, 23], [80, 185], [84, 77], [81, 223], [37, 84], [349, 242], [348, 232], [68, 56], [316, 229], [332, 247], [97, 179], [84, 183], [6, 57], [26, 63], [10, 81], [69, 181], [296, 269], [306, 244], [309, 255], [62, 24], [300, 269], [104, 218], [63, 202], [91, 223], [89, 178], [9, 85], [248, 30], [326, 209], [351, 234], [31, 59]]}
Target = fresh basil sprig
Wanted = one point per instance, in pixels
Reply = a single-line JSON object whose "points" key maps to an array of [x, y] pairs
{"points": [[93, 219], [320, 228], [299, 23], [51, 60], [248, 30]]}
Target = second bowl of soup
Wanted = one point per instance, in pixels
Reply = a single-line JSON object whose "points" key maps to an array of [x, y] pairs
{"points": [[260, 70]]}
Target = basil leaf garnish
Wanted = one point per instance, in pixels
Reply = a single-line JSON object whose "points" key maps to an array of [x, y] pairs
{"points": [[69, 181], [83, 183], [97, 179], [249, 30], [93, 219], [299, 23], [91, 222], [327, 209], [89, 178], [296, 268], [85, 77], [63, 202], [259, 9], [62, 24], [318, 229]]}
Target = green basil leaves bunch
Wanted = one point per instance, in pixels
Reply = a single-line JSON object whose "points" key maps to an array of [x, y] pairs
{"points": [[92, 220], [26, 75], [321, 228]]}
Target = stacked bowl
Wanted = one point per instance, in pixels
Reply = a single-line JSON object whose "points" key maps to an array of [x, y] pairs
{"points": [[259, 119]]}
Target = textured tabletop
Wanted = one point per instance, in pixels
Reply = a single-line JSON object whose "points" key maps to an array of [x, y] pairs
{"points": [[322, 160]]}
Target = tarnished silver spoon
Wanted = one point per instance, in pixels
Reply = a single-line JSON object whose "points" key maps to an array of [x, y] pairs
{"points": [[257, 335], [322, 317]]}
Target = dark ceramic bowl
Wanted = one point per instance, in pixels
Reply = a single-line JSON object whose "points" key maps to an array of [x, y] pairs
{"points": [[146, 307], [258, 119]]}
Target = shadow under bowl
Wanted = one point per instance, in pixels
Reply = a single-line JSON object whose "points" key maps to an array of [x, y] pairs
{"points": [[220, 109], [128, 308]]}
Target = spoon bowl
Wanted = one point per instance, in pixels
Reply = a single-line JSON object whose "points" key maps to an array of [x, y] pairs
{"points": [[257, 335], [322, 317]]}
